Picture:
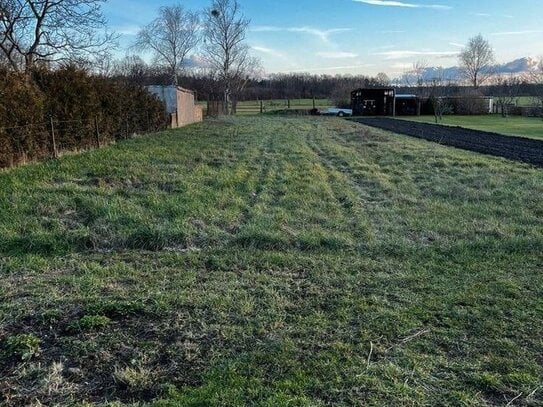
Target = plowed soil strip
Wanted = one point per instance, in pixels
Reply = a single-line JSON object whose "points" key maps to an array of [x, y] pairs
{"points": [[514, 148]]}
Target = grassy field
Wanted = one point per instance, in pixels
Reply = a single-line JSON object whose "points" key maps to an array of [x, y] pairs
{"points": [[253, 106], [512, 126], [272, 261], [527, 101]]}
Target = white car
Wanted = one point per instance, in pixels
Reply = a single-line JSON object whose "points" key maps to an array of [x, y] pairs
{"points": [[336, 111]]}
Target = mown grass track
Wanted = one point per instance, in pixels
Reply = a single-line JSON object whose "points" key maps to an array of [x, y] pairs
{"points": [[272, 261]]}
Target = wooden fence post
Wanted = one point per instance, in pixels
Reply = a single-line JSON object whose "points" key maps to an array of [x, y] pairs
{"points": [[97, 132], [288, 103], [261, 107], [55, 152], [314, 102]]}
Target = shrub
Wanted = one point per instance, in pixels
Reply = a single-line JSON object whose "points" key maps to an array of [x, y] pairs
{"points": [[24, 346], [78, 103], [21, 120], [91, 322]]}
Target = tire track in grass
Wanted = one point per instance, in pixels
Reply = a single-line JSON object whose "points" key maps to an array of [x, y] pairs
{"points": [[373, 197], [270, 223], [257, 197], [342, 191]]}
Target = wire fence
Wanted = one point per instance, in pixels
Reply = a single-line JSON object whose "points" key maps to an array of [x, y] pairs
{"points": [[266, 106], [21, 144]]}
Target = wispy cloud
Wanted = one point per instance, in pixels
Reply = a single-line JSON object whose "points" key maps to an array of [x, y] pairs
{"points": [[392, 3], [266, 28], [457, 44], [385, 47], [337, 55], [268, 51], [487, 15], [526, 32], [127, 29], [323, 35], [400, 66], [333, 68], [404, 54]]}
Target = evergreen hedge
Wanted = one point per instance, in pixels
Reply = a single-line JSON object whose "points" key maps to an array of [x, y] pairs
{"points": [[80, 110]]}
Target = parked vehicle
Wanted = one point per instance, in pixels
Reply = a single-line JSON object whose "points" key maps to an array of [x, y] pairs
{"points": [[336, 111]]}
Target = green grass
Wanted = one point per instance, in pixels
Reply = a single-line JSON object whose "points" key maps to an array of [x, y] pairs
{"points": [[252, 107], [512, 126], [272, 261], [527, 101]]}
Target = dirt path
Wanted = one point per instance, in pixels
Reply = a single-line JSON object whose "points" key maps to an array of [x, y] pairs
{"points": [[514, 148]]}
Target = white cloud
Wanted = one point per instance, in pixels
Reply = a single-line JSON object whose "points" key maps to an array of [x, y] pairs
{"points": [[457, 44], [404, 54], [323, 35], [333, 68], [268, 51], [266, 28], [127, 29], [392, 3], [401, 66], [337, 55], [518, 32]]}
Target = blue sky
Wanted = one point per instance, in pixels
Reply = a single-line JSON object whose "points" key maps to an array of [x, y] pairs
{"points": [[365, 36]]}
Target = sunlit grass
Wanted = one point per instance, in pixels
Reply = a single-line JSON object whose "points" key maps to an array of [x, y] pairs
{"points": [[272, 261], [511, 125]]}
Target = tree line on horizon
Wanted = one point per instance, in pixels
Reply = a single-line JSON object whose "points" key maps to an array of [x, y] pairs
{"points": [[48, 34]]}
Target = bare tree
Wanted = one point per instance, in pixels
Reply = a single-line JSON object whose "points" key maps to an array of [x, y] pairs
{"points": [[437, 91], [536, 77], [44, 31], [225, 29], [415, 77], [170, 37], [382, 79], [506, 90], [131, 68], [476, 60]]}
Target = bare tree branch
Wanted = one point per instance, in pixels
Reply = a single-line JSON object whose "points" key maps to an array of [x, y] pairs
{"points": [[437, 90], [34, 31], [476, 60], [227, 54], [170, 37], [506, 90], [536, 77]]}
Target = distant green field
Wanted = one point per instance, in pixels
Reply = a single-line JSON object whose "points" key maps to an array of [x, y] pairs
{"points": [[512, 126], [253, 106], [526, 101]]}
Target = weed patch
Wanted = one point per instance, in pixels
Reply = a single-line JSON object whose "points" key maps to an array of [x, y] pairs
{"points": [[23, 346]]}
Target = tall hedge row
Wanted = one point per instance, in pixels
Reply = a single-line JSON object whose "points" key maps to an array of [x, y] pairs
{"points": [[73, 108]]}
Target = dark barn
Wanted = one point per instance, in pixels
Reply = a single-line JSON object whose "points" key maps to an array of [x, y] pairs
{"points": [[383, 102], [373, 102], [407, 105]]}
